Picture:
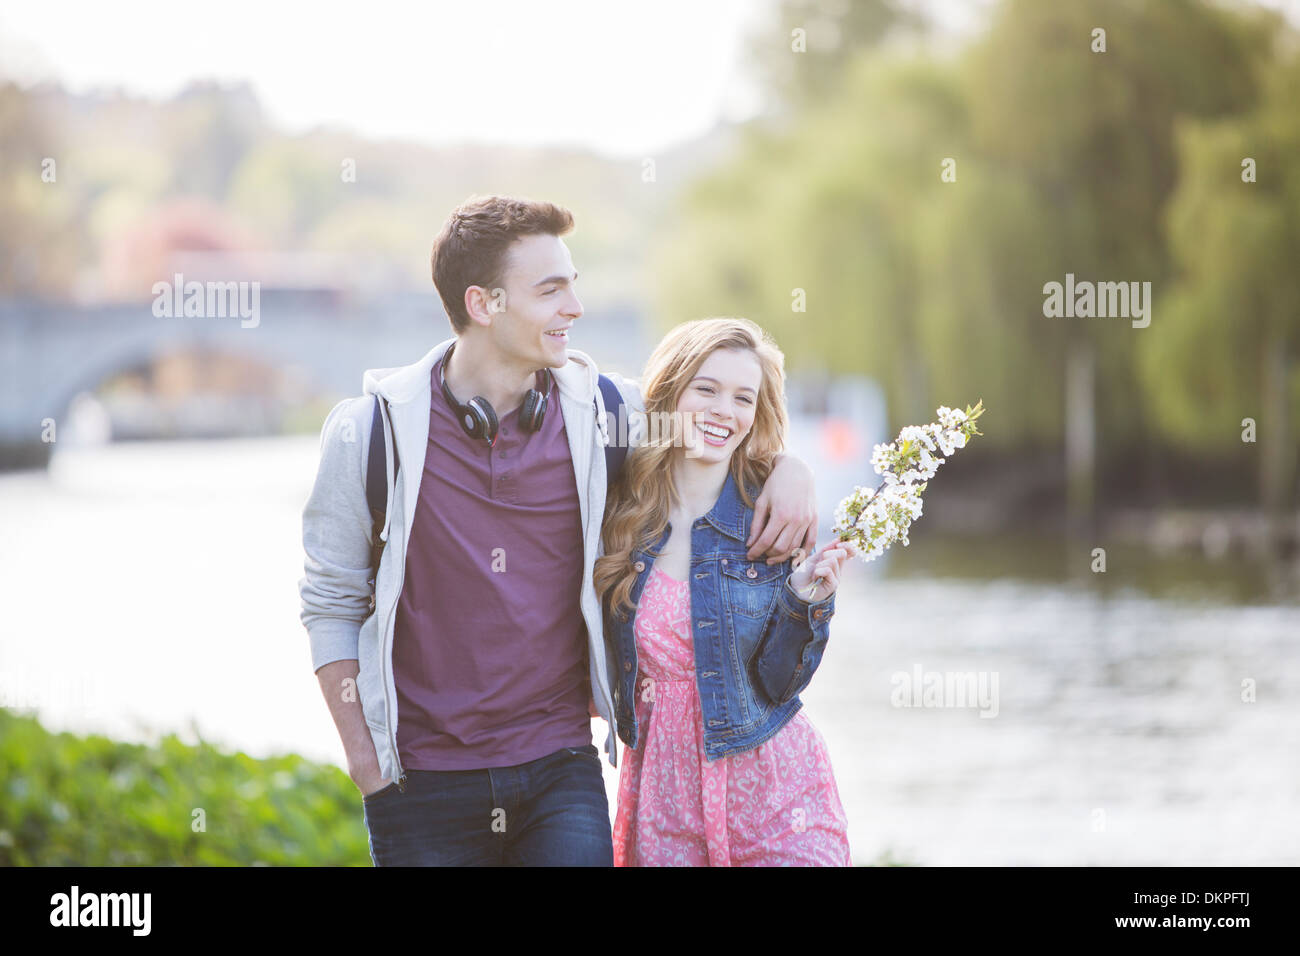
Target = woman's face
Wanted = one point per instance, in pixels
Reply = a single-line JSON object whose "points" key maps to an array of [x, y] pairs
{"points": [[718, 404]]}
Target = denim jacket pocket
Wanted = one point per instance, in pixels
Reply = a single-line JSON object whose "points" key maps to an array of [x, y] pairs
{"points": [[750, 587]]}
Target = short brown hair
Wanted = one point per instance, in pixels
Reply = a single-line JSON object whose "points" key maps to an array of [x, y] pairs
{"points": [[471, 248]]}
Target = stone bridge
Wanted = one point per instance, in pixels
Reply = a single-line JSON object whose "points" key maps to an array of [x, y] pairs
{"points": [[49, 353]]}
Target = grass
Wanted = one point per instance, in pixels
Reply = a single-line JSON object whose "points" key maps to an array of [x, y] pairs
{"points": [[92, 801]]}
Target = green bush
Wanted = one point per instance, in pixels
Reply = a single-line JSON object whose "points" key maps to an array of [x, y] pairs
{"points": [[91, 801]]}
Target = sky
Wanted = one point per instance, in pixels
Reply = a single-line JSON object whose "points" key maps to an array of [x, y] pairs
{"points": [[622, 78]]}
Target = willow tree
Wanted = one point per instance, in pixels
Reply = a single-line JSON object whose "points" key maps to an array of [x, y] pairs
{"points": [[811, 231], [1227, 349], [1078, 102]]}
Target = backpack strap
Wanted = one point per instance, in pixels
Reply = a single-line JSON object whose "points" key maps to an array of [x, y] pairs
{"points": [[615, 452], [377, 489]]}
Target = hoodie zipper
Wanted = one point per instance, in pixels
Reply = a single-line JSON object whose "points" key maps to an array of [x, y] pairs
{"points": [[392, 737], [385, 652], [598, 448]]}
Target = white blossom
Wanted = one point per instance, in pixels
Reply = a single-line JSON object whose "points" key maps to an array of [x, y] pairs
{"points": [[873, 519]]}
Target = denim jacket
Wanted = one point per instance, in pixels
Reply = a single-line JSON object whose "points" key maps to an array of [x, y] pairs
{"points": [[757, 644]]}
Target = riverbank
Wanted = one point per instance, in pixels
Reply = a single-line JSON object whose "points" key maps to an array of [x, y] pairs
{"points": [[1199, 527]]}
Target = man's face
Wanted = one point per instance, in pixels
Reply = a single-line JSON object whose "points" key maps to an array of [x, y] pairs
{"points": [[537, 304]]}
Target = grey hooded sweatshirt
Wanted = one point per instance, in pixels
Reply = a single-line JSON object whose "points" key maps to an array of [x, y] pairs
{"points": [[336, 530]]}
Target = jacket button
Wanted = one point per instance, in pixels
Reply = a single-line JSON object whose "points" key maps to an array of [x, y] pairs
{"points": [[627, 665], [639, 567], [751, 573], [819, 614]]}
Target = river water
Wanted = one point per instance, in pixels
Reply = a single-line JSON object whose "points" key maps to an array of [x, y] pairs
{"points": [[153, 588]]}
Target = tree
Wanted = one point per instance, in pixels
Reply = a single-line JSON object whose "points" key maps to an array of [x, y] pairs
{"points": [[811, 231], [1228, 345], [1085, 120], [803, 51]]}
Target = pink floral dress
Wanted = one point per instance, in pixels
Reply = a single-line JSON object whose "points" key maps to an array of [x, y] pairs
{"points": [[774, 805]]}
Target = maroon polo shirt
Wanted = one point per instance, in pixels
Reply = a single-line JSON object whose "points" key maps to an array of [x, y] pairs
{"points": [[490, 650]]}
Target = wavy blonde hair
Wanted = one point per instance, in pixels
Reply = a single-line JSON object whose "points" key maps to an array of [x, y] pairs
{"points": [[638, 505]]}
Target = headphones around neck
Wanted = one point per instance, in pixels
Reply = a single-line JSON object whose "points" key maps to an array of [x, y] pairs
{"points": [[479, 420]]}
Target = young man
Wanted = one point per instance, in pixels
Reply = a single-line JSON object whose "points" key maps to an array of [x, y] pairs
{"points": [[463, 695]]}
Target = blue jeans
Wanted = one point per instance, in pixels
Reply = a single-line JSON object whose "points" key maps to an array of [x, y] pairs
{"points": [[551, 811]]}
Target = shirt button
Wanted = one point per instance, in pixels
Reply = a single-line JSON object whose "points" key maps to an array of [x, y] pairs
{"points": [[639, 567], [724, 561], [751, 573]]}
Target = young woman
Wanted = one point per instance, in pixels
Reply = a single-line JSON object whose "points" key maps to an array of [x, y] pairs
{"points": [[710, 650]]}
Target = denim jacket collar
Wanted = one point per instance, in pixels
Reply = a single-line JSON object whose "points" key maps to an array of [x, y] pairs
{"points": [[729, 512], [728, 515]]}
